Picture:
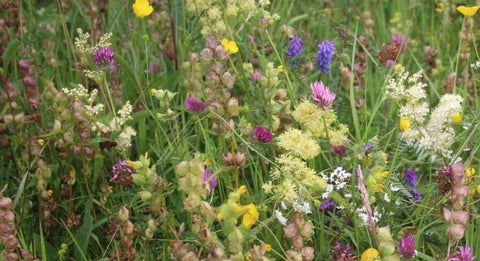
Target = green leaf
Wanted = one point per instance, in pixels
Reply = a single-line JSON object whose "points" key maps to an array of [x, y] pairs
{"points": [[83, 233]]}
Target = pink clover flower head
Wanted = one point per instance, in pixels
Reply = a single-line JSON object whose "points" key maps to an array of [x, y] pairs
{"points": [[194, 104], [400, 40], [406, 246], [262, 134], [321, 94], [463, 254]]}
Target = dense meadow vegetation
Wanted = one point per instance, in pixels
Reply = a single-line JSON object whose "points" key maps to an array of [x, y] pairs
{"points": [[239, 130]]}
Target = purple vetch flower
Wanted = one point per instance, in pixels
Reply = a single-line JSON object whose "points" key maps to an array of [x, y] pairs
{"points": [[327, 205], [122, 173], [326, 50], [416, 195], [104, 56], [295, 48], [262, 134], [406, 246], [341, 150], [400, 40], [209, 179], [411, 177], [463, 254], [194, 104], [321, 94], [366, 148]]}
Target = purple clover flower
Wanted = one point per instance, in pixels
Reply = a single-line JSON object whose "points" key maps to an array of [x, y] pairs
{"points": [[328, 205], [122, 172], [104, 56], [321, 94], [406, 246], [194, 104], [262, 134], [295, 48], [209, 179], [463, 254], [411, 177], [326, 50]]}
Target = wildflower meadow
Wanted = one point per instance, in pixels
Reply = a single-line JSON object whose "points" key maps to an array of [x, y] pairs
{"points": [[240, 130]]}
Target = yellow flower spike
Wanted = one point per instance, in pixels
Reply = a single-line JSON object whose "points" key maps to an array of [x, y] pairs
{"points": [[384, 174], [280, 69], [468, 11], [242, 189], [251, 215], [220, 216], [110, 189], [404, 124], [229, 46], [142, 8], [207, 162], [370, 254], [456, 117], [41, 142]]}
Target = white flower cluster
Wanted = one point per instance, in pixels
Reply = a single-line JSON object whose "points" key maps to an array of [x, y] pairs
{"points": [[80, 93], [435, 135], [362, 214], [476, 65], [82, 44], [438, 134], [303, 207], [337, 180], [409, 91]]}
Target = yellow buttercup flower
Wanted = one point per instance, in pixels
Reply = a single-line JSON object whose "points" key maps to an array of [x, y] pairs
{"points": [[370, 254], [404, 124], [468, 10], [457, 117], [229, 46], [280, 68], [470, 171], [250, 216], [49, 192], [242, 189], [41, 142], [142, 8]]}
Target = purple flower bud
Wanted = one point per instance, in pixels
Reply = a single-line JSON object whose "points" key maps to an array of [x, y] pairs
{"points": [[326, 50], [194, 104], [209, 179], [262, 134], [327, 205], [416, 195], [340, 150], [411, 177], [406, 246], [366, 148], [321, 94], [463, 254], [103, 56]]}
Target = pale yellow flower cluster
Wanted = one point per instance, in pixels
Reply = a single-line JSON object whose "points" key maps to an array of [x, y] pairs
{"points": [[299, 143], [321, 123]]}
